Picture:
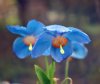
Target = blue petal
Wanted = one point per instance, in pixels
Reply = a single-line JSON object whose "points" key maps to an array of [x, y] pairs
{"points": [[20, 49], [18, 30], [35, 27], [77, 35], [79, 51], [47, 52], [57, 28], [57, 56], [42, 44]]}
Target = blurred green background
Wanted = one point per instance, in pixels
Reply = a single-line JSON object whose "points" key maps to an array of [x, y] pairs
{"points": [[83, 14]]}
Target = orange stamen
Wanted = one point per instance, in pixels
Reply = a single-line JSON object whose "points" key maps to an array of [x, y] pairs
{"points": [[29, 40], [59, 40]]}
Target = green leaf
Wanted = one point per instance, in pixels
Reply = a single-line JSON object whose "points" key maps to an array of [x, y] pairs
{"points": [[51, 70], [41, 75]]}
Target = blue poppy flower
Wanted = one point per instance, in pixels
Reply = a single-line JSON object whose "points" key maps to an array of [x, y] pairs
{"points": [[79, 51], [58, 40], [23, 45]]}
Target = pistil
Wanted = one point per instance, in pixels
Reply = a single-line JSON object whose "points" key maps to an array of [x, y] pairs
{"points": [[30, 47], [61, 50]]}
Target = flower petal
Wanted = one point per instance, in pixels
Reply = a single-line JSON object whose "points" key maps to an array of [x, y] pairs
{"points": [[47, 52], [18, 30], [80, 51], [35, 27], [42, 44], [56, 54], [77, 35], [57, 28], [20, 48]]}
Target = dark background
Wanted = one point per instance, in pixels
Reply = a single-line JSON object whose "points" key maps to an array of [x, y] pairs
{"points": [[83, 14]]}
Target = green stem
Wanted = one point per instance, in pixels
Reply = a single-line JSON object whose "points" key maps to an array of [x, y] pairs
{"points": [[47, 64], [66, 70], [52, 80], [37, 82], [66, 79]]}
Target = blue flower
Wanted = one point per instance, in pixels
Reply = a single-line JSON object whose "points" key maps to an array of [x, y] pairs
{"points": [[79, 51], [23, 45], [58, 41]]}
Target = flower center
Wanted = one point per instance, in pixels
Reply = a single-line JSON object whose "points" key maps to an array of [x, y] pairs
{"points": [[29, 41], [59, 42]]}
